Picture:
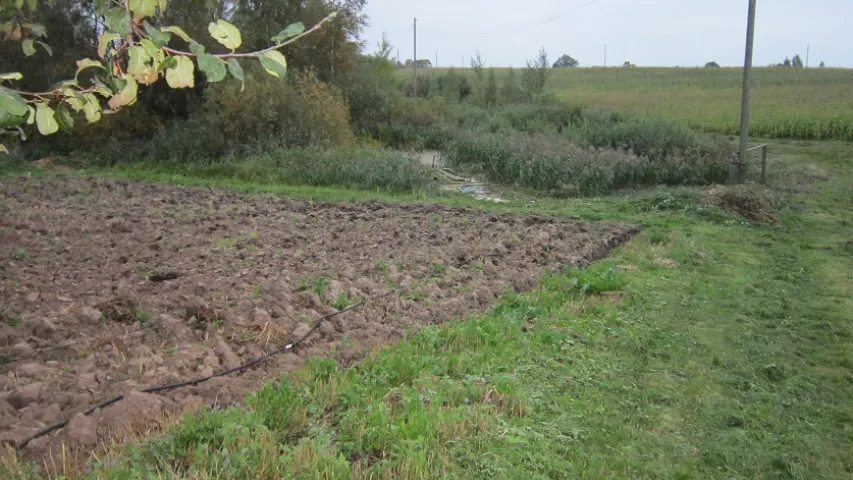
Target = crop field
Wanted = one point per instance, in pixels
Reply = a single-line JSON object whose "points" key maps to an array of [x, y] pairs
{"points": [[786, 102]]}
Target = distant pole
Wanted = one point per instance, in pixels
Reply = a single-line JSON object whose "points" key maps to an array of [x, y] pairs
{"points": [[415, 60], [605, 54], [398, 56], [808, 51], [436, 59], [736, 173]]}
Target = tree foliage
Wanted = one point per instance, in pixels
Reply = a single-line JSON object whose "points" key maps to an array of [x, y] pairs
{"points": [[712, 65], [533, 77], [566, 61], [89, 58]]}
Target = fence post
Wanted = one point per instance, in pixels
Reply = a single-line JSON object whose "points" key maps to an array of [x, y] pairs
{"points": [[763, 163], [734, 168]]}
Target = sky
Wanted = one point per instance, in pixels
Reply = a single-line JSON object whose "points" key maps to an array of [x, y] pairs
{"points": [[644, 32]]}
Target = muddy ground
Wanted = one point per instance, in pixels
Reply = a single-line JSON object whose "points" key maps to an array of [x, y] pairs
{"points": [[110, 286]]}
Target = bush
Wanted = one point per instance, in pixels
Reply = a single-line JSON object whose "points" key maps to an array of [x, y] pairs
{"points": [[301, 112], [552, 164], [350, 167]]}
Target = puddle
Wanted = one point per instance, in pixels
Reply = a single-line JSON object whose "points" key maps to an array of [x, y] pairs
{"points": [[480, 192]]}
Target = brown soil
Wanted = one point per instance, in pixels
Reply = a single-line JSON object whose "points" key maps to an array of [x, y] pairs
{"points": [[112, 286]]}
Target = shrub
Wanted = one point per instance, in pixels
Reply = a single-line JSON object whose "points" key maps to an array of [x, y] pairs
{"points": [[352, 167], [301, 112], [552, 164]]}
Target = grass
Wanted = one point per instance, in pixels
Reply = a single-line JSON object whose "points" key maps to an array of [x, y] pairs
{"points": [[707, 347], [786, 102]]}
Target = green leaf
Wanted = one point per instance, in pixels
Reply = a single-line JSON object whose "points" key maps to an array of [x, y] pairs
{"points": [[29, 48], [150, 48], [213, 68], [127, 95], [289, 32], [226, 34], [45, 119], [181, 75], [12, 102], [46, 48], [169, 62], [31, 115], [117, 20], [92, 109], [11, 76], [138, 60], [3, 149], [177, 31], [64, 118], [236, 71], [147, 8], [104, 43], [157, 36], [87, 63], [38, 30], [33, 4], [9, 120], [274, 63], [197, 48]]}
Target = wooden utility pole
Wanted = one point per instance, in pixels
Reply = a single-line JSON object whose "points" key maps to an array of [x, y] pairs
{"points": [[415, 60], [736, 172], [808, 51]]}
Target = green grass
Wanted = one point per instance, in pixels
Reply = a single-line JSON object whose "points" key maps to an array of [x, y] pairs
{"points": [[707, 347], [786, 102]]}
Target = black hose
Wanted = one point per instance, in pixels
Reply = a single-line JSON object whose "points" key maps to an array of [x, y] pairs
{"points": [[251, 363]]}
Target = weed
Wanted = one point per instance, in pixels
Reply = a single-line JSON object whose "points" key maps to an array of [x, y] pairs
{"points": [[142, 317], [383, 266], [317, 285], [256, 292], [13, 320], [343, 301], [224, 242], [20, 254], [437, 269]]}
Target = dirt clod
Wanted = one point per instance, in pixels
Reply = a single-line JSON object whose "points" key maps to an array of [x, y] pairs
{"points": [[119, 309]]}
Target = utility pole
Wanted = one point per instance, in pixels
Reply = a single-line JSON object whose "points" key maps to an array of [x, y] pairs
{"points": [[736, 173], [436, 59], [808, 51], [605, 54], [398, 56], [415, 60]]}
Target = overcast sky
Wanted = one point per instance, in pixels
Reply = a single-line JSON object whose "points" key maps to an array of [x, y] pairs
{"points": [[645, 32]]}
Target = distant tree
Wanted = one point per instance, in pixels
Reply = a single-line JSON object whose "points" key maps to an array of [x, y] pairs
{"points": [[822, 65], [490, 90], [797, 62], [787, 62], [510, 92], [565, 61], [477, 63], [628, 65], [384, 47], [712, 65], [534, 76]]}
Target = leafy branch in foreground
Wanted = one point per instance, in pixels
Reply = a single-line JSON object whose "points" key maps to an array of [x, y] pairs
{"points": [[132, 52]]}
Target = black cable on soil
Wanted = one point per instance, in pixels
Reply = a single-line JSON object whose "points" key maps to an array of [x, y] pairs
{"points": [[251, 363]]}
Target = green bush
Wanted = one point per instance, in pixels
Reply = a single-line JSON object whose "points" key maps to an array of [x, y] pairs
{"points": [[349, 167], [300, 112], [552, 164]]}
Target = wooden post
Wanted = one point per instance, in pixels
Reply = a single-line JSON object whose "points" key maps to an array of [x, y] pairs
{"points": [[744, 110]]}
